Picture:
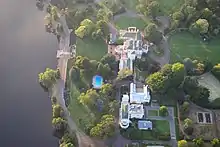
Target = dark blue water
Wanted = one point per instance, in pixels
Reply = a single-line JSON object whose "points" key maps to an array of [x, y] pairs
{"points": [[25, 50]]}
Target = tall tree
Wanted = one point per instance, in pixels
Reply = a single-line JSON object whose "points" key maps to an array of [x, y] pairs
{"points": [[182, 143], [48, 77]]}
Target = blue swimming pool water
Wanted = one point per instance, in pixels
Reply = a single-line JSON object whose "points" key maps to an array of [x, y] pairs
{"points": [[97, 81]]}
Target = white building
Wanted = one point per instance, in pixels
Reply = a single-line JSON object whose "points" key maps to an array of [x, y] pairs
{"points": [[132, 107], [139, 97], [124, 112]]}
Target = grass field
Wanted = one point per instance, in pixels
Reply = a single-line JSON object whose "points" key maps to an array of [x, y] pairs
{"points": [[131, 4], [171, 5], [185, 45], [163, 126], [77, 111], [124, 22], [93, 49], [152, 113]]}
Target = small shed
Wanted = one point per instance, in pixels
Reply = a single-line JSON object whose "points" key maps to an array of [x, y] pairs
{"points": [[145, 125]]}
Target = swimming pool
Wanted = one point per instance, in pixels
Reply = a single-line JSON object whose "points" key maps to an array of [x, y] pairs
{"points": [[97, 81]]}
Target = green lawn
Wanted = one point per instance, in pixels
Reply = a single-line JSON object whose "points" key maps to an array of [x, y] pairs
{"points": [[124, 22], [131, 4], [93, 49], [77, 111], [171, 5], [152, 112], [185, 45], [162, 126]]}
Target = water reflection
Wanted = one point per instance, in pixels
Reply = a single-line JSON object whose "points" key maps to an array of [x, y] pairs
{"points": [[25, 50]]}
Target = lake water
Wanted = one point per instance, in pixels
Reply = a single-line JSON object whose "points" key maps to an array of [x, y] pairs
{"points": [[25, 50]]}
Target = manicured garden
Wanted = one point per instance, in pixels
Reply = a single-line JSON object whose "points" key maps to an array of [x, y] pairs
{"points": [[93, 49], [124, 22], [184, 45], [160, 131], [152, 113]]}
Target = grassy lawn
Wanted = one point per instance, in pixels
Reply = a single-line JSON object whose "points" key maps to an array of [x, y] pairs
{"points": [[170, 6], [152, 113], [162, 126], [124, 22], [131, 4], [77, 111], [93, 49], [185, 45]]}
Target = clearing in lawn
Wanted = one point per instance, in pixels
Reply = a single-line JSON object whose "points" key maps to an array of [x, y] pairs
{"points": [[124, 22], [209, 81], [185, 45], [93, 49], [152, 112]]}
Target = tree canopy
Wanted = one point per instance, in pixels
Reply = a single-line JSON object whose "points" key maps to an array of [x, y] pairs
{"points": [[182, 143], [104, 129], [48, 77]]}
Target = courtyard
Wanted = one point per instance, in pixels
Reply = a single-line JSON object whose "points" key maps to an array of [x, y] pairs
{"points": [[184, 45]]}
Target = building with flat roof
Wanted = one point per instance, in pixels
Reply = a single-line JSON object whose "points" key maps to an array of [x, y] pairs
{"points": [[132, 105], [136, 111], [139, 97]]}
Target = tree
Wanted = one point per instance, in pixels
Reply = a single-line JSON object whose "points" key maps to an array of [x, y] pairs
{"points": [[103, 70], [88, 24], [190, 84], [152, 34], [182, 143], [124, 73], [153, 8], [216, 71], [82, 63], [206, 13], [60, 126], [201, 96], [89, 98], [110, 60], [106, 89], [67, 145], [215, 142], [151, 27], [202, 25], [81, 32], [104, 129], [101, 24], [198, 142], [57, 111], [163, 111], [48, 78], [156, 82], [114, 107], [178, 16], [178, 74], [166, 70]]}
